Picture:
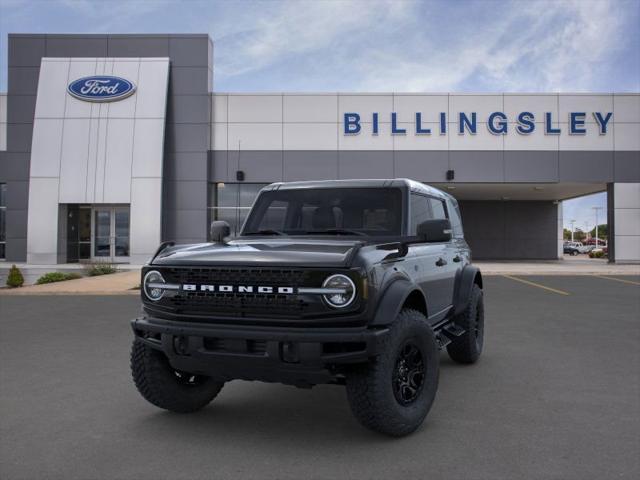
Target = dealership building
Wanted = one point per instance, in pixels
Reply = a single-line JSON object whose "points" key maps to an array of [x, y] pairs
{"points": [[110, 144]]}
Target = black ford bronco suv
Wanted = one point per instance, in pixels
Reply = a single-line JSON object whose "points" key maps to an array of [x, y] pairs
{"points": [[351, 282]]}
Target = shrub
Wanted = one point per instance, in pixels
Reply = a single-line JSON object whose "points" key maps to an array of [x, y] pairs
{"points": [[596, 254], [96, 269], [52, 277], [15, 278]]}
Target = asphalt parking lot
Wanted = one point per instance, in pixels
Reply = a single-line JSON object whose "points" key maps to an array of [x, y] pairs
{"points": [[555, 395]]}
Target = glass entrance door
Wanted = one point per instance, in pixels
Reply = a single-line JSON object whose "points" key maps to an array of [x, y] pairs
{"points": [[111, 234], [121, 233], [78, 232]]}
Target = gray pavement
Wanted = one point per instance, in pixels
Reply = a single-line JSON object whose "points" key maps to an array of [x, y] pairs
{"points": [[556, 395]]}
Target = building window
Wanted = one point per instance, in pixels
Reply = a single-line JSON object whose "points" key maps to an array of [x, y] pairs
{"points": [[3, 221], [231, 202]]}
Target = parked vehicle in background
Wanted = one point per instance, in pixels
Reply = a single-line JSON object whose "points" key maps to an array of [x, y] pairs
{"points": [[570, 249], [577, 247], [592, 241]]}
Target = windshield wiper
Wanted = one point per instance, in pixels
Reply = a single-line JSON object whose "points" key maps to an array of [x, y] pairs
{"points": [[266, 232], [337, 231]]}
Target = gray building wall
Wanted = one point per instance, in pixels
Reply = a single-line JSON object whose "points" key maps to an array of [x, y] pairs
{"points": [[494, 229], [301, 136], [511, 230], [186, 134], [470, 166]]}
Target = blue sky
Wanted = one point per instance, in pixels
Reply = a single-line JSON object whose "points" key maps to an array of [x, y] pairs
{"points": [[370, 45], [581, 210]]}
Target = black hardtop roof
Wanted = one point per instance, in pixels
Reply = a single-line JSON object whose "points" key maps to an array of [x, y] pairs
{"points": [[359, 183]]}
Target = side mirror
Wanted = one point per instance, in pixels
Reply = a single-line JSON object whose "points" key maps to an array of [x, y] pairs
{"points": [[219, 231], [434, 230]]}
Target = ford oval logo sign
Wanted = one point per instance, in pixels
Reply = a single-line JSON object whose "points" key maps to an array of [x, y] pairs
{"points": [[101, 88]]}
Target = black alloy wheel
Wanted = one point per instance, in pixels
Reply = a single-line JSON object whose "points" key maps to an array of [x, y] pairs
{"points": [[393, 393], [408, 374]]}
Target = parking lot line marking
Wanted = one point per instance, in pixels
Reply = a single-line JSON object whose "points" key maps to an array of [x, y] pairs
{"points": [[534, 284], [618, 279]]}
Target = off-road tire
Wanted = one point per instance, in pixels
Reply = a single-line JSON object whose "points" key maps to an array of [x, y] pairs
{"points": [[370, 387], [468, 347], [166, 388]]}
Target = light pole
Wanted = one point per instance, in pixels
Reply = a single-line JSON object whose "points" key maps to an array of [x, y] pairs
{"points": [[572, 222], [596, 210], [586, 231]]}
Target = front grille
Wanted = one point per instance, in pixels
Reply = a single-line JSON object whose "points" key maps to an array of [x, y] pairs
{"points": [[234, 304], [241, 304], [240, 276]]}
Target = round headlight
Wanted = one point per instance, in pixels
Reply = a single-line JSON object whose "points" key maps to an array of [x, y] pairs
{"points": [[152, 282], [345, 291]]}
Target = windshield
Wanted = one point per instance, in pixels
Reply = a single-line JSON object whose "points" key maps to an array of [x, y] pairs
{"points": [[327, 211]]}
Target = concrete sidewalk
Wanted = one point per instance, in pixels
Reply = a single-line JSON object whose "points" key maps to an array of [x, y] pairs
{"points": [[581, 265], [112, 284], [32, 272]]}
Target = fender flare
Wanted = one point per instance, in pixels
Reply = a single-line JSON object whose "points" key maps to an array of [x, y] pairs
{"points": [[393, 299], [470, 275]]}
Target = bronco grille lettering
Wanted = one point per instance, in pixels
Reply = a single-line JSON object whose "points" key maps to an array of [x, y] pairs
{"points": [[190, 287]]}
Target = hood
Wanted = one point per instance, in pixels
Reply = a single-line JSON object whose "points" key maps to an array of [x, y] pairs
{"points": [[273, 251]]}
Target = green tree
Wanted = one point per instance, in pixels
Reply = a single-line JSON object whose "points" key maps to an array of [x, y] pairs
{"points": [[578, 235], [603, 231]]}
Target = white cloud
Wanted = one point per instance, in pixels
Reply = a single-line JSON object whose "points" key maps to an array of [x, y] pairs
{"points": [[271, 35], [377, 45], [383, 46]]}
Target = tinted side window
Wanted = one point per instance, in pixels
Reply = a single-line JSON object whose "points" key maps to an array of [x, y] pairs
{"points": [[438, 208], [456, 220], [420, 211]]}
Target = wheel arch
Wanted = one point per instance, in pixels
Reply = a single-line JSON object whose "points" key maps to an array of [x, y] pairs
{"points": [[400, 294], [469, 276]]}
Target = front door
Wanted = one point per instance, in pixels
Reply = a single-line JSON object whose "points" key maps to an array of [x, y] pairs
{"points": [[111, 234]]}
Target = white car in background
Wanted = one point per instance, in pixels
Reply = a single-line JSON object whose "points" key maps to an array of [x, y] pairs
{"points": [[579, 246]]}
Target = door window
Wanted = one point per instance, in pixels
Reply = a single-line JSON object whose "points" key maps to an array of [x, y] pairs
{"points": [[3, 213], [420, 211], [121, 226], [102, 246], [438, 209], [111, 232], [84, 233], [454, 216]]}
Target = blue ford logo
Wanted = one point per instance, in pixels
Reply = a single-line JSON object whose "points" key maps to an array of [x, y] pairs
{"points": [[101, 88]]}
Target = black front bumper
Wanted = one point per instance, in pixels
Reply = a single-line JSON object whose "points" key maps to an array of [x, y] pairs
{"points": [[297, 356]]}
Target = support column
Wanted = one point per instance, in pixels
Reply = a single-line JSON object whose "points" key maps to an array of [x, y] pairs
{"points": [[623, 208], [560, 236]]}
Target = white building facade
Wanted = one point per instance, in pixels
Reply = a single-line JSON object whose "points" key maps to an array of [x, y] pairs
{"points": [[110, 178]]}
